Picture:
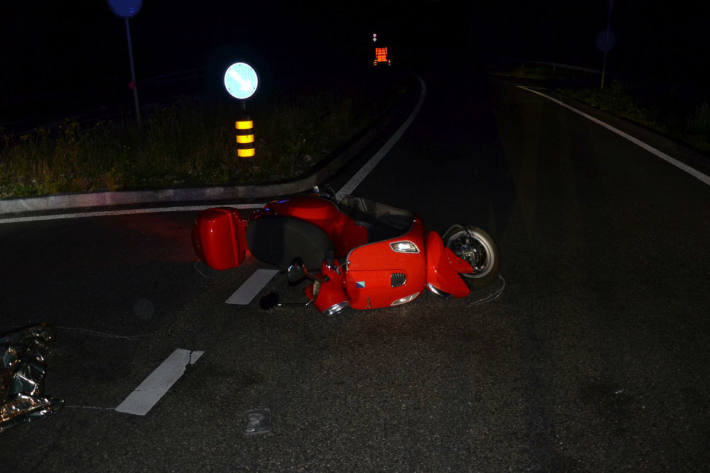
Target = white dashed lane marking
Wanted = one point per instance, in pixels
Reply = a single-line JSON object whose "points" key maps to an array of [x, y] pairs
{"points": [[252, 286], [154, 387]]}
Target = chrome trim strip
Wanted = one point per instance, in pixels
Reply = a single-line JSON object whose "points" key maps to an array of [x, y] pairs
{"points": [[405, 299], [438, 292], [336, 308]]}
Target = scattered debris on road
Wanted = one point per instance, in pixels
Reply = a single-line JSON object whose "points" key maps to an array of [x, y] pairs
{"points": [[258, 422], [23, 365]]}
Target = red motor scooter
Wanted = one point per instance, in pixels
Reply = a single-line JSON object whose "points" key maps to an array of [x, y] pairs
{"points": [[369, 255]]}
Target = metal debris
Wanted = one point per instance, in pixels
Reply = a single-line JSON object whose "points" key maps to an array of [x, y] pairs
{"points": [[258, 422], [23, 366]]}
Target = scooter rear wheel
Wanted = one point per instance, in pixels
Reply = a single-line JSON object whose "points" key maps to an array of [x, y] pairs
{"points": [[475, 246]]}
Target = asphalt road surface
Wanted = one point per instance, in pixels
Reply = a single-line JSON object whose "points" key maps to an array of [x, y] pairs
{"points": [[593, 359]]}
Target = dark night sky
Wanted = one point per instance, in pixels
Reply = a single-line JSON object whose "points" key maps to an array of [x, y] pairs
{"points": [[51, 45]]}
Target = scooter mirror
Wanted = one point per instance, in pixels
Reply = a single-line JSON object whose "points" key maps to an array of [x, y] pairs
{"points": [[296, 271]]}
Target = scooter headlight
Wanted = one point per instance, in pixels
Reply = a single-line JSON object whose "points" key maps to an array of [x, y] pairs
{"points": [[404, 246]]}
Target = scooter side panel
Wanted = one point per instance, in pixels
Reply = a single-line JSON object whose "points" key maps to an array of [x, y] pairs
{"points": [[306, 207], [373, 289], [316, 210], [351, 235], [374, 275]]}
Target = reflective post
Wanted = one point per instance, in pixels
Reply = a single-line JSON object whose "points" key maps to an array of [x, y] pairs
{"points": [[133, 73], [607, 39], [245, 136], [240, 80]]}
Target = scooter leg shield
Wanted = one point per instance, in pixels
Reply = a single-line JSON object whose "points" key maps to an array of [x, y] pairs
{"points": [[443, 268]]}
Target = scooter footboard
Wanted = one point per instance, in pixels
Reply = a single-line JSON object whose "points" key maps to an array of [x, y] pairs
{"points": [[219, 238]]}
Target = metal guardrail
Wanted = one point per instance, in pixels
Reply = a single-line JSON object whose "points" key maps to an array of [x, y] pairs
{"points": [[554, 65]]}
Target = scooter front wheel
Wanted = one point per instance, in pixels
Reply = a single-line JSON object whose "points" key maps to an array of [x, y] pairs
{"points": [[477, 248]]}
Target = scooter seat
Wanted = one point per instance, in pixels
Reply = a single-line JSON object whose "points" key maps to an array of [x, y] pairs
{"points": [[278, 240]]}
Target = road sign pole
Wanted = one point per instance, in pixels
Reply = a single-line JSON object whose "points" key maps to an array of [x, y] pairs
{"points": [[133, 73], [607, 38]]}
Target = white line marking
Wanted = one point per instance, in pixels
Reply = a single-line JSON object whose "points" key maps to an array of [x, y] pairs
{"points": [[107, 213], [655, 151], [359, 176], [154, 387], [251, 287]]}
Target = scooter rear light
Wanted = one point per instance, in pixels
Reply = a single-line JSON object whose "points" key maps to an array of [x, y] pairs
{"points": [[406, 299]]}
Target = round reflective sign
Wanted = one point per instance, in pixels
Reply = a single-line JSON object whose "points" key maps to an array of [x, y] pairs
{"points": [[125, 8], [240, 80], [605, 41]]}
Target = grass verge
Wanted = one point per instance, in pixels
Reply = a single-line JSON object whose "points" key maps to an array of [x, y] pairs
{"points": [[191, 143]]}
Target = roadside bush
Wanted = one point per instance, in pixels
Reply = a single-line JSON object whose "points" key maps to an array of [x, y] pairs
{"points": [[699, 122]]}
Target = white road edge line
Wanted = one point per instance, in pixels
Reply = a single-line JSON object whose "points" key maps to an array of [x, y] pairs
{"points": [[359, 176], [655, 151], [154, 387], [107, 213], [251, 287]]}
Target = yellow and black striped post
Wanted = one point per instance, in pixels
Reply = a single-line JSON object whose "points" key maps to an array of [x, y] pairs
{"points": [[245, 137]]}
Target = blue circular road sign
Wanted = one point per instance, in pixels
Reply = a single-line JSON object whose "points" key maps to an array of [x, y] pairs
{"points": [[240, 80], [125, 8], [605, 41]]}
